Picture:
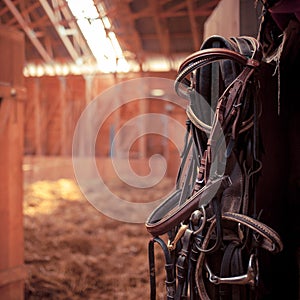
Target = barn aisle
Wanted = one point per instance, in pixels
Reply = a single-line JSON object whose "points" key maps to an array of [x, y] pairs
{"points": [[72, 251]]}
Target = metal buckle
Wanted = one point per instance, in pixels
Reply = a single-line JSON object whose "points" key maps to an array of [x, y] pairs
{"points": [[172, 244]]}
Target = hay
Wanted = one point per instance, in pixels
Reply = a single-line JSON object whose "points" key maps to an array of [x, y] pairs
{"points": [[72, 251]]}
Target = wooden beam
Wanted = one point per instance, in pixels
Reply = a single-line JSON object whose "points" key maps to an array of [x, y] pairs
{"points": [[161, 29], [78, 37], [63, 109], [177, 7], [37, 117], [48, 45], [3, 11], [197, 13], [151, 36], [193, 23], [66, 41], [181, 9], [25, 10], [147, 12], [29, 32], [132, 40], [38, 22], [12, 22]]}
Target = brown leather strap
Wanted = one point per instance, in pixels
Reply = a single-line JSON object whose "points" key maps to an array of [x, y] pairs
{"points": [[269, 240], [169, 214], [209, 55], [204, 57]]}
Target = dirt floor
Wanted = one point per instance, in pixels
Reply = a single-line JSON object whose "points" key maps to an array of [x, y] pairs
{"points": [[72, 251]]}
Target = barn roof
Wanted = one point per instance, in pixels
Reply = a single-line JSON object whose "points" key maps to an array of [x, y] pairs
{"points": [[154, 33]]}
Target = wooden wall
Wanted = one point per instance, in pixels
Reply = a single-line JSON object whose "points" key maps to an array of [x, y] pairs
{"points": [[12, 97], [52, 108], [55, 104]]}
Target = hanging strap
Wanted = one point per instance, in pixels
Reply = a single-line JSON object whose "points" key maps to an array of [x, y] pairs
{"points": [[169, 267]]}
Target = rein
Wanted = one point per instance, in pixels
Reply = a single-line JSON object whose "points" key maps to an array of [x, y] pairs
{"points": [[213, 233]]}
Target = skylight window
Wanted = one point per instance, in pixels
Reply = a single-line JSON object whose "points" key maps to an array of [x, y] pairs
{"points": [[105, 47]]}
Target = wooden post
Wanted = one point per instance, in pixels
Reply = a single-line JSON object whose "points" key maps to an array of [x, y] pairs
{"points": [[63, 123], [12, 96], [37, 117]]}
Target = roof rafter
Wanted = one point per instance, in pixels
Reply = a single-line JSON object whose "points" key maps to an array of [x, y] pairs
{"points": [[193, 23], [55, 22], [29, 32], [135, 42], [29, 9], [161, 29], [78, 37], [143, 34]]}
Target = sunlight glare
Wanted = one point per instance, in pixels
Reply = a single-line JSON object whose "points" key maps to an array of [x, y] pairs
{"points": [[97, 32]]}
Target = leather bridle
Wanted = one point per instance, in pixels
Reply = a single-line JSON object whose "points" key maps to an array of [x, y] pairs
{"points": [[211, 217]]}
